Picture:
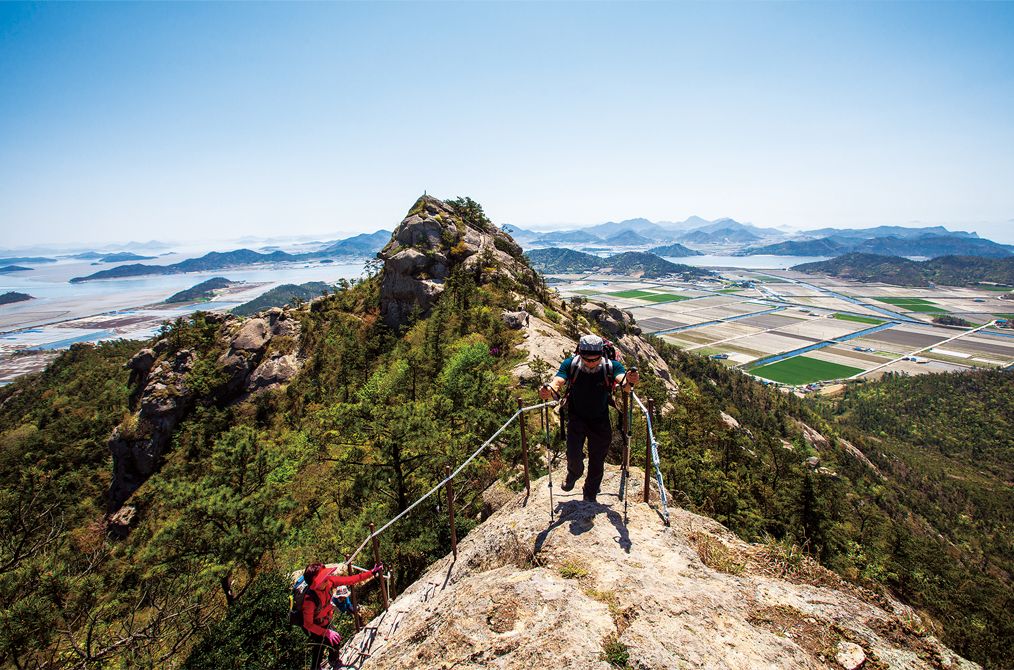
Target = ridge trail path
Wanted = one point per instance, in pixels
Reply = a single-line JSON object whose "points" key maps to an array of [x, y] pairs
{"points": [[527, 593]]}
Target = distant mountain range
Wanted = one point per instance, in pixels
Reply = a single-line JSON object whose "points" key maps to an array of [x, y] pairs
{"points": [[366, 245], [928, 245], [945, 270], [694, 230], [927, 242]]}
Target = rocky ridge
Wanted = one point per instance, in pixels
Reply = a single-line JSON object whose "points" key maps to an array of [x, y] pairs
{"points": [[433, 240], [608, 582], [260, 353]]}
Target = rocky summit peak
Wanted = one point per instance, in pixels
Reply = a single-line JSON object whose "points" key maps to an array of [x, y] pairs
{"points": [[431, 242], [607, 585]]}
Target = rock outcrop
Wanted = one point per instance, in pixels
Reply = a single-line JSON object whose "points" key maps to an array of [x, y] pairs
{"points": [[612, 319], [261, 354], [429, 244], [605, 580]]}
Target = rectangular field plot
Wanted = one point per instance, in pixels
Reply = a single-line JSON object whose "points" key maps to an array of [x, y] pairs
{"points": [[906, 338], [858, 319], [770, 320], [664, 297], [655, 324], [804, 370], [912, 304], [630, 294]]}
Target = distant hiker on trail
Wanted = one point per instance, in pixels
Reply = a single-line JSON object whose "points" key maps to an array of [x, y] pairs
{"points": [[317, 607], [591, 379]]}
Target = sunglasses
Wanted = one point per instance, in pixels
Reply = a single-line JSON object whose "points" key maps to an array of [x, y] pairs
{"points": [[591, 357]]}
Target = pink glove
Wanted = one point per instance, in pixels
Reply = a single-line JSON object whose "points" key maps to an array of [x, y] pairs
{"points": [[377, 569], [333, 638]]}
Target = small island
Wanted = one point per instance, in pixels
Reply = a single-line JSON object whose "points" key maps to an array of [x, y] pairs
{"points": [[14, 296]]}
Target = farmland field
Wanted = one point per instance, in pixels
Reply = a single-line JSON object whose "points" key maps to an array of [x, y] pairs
{"points": [[664, 297], [858, 319], [631, 294], [803, 370], [912, 304]]}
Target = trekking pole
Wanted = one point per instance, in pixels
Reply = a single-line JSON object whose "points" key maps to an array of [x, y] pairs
{"points": [[549, 460], [524, 448]]}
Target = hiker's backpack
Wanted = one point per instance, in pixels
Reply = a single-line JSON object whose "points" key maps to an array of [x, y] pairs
{"points": [[608, 356], [299, 592], [342, 600]]}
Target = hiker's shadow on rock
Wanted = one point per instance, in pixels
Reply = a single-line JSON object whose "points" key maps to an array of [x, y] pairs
{"points": [[582, 524]]}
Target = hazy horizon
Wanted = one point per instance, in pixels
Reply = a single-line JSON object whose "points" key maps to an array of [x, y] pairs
{"points": [[132, 120]]}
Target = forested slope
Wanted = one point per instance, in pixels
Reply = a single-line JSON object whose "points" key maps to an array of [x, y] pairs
{"points": [[262, 486]]}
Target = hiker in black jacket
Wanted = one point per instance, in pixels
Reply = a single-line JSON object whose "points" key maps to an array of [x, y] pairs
{"points": [[591, 378]]}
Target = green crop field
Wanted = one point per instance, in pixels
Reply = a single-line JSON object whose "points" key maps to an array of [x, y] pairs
{"points": [[631, 294], [857, 319], [803, 370], [1002, 289], [731, 290], [913, 304], [904, 301], [665, 297]]}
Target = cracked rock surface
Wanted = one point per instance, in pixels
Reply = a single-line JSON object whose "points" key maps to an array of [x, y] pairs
{"points": [[528, 593]]}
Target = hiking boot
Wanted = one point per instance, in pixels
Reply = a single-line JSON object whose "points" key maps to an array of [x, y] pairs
{"points": [[568, 484], [590, 497]]}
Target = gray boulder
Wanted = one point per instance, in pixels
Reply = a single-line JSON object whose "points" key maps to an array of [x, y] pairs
{"points": [[426, 247], [515, 320]]}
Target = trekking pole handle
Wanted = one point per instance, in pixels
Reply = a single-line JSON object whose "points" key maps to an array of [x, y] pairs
{"points": [[556, 396]]}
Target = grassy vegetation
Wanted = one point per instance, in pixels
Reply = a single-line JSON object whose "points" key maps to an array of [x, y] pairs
{"points": [[912, 304], [665, 297], [858, 319], [631, 294], [803, 370], [904, 301], [731, 290]]}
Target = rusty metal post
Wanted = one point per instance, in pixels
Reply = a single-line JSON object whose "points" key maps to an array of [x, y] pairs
{"points": [[450, 508], [524, 454], [647, 450], [376, 558], [356, 620]]}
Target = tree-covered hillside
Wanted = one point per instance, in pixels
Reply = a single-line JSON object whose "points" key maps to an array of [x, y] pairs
{"points": [[944, 270], [916, 501], [203, 291], [282, 295]]}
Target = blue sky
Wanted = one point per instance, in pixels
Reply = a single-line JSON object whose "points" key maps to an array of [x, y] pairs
{"points": [[176, 121]]}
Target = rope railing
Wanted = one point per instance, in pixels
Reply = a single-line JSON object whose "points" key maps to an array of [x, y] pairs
{"points": [[449, 477], [651, 448], [653, 445]]}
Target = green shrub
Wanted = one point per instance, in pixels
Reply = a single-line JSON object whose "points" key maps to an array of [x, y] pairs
{"points": [[254, 632]]}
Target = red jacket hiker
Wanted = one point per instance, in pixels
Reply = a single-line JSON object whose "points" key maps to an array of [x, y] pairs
{"points": [[317, 622]]}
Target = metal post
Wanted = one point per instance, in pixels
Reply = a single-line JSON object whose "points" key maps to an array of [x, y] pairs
{"points": [[647, 451], [524, 453], [356, 621], [450, 508], [376, 558]]}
